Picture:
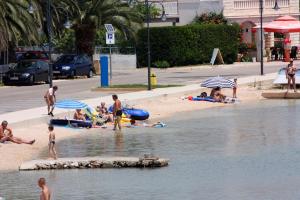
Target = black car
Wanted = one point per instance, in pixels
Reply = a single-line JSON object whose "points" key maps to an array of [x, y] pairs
{"points": [[27, 71], [71, 65]]}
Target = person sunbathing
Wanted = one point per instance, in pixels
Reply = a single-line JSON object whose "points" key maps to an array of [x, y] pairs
{"points": [[217, 95], [78, 115], [6, 135], [103, 111]]}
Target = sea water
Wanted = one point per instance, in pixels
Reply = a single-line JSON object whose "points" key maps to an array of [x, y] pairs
{"points": [[232, 153]]}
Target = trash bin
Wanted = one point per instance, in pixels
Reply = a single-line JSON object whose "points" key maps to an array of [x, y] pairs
{"points": [[153, 79], [104, 71]]}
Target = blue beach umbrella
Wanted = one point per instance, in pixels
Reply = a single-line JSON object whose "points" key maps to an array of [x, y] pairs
{"points": [[218, 82], [70, 104]]}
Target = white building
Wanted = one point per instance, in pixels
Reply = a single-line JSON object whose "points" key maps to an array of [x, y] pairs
{"points": [[244, 12]]}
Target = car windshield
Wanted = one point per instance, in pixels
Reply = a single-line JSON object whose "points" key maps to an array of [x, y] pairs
{"points": [[25, 65], [66, 59], [32, 55]]}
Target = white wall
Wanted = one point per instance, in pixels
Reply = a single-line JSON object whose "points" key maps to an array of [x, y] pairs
{"points": [[120, 62], [188, 9]]}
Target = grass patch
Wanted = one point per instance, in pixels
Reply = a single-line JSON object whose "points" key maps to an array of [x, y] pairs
{"points": [[142, 86], [1, 84]]}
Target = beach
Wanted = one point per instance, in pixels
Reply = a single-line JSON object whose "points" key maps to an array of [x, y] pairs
{"points": [[165, 106]]}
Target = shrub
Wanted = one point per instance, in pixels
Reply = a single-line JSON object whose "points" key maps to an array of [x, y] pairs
{"points": [[161, 64], [210, 18], [188, 45], [243, 48]]}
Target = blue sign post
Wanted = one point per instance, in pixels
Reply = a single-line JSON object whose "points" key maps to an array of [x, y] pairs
{"points": [[104, 71]]}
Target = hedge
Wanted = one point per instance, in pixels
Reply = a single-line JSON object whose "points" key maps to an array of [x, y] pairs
{"points": [[188, 45]]}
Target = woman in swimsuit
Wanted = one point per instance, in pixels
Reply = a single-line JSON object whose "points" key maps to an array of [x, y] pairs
{"points": [[290, 75]]}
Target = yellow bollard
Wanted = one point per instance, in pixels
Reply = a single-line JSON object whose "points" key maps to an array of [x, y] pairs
{"points": [[153, 79]]}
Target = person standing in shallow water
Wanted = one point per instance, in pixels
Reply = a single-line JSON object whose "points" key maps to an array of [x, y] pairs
{"points": [[45, 192], [290, 75], [117, 112]]}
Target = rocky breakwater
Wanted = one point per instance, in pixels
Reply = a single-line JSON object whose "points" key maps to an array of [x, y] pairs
{"points": [[95, 162]]}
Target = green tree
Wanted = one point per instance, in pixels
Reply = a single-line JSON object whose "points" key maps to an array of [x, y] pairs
{"points": [[210, 18], [65, 42], [61, 10], [93, 14], [15, 23]]}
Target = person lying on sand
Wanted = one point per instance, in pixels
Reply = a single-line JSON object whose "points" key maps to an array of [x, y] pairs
{"points": [[6, 135], [134, 123], [78, 115]]}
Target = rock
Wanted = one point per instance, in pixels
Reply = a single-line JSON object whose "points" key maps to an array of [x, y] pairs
{"points": [[95, 162]]}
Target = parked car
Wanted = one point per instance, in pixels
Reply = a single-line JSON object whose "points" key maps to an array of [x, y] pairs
{"points": [[27, 71], [71, 65], [28, 55]]}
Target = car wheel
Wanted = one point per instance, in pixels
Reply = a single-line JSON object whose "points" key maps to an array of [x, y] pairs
{"points": [[91, 74], [31, 80], [48, 80]]}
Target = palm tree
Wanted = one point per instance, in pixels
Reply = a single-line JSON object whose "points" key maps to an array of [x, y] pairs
{"points": [[60, 11], [16, 22], [93, 14]]}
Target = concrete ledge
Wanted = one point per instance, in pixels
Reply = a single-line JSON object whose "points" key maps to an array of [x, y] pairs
{"points": [[94, 162], [281, 95]]}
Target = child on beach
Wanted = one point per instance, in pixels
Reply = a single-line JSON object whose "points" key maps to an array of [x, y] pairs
{"points": [[52, 151], [45, 192], [234, 88]]}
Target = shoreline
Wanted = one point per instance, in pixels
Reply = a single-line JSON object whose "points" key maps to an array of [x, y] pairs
{"points": [[160, 107]]}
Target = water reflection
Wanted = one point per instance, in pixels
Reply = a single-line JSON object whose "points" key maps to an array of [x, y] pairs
{"points": [[240, 152]]}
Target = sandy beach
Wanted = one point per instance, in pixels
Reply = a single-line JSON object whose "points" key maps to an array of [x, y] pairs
{"points": [[159, 107]]}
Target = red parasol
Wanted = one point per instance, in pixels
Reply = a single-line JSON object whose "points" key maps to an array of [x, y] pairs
{"points": [[285, 24]]}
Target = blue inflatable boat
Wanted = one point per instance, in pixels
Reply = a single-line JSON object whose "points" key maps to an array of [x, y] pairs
{"points": [[72, 122], [137, 114]]}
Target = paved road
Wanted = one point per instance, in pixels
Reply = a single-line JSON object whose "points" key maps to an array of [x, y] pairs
{"points": [[25, 97]]}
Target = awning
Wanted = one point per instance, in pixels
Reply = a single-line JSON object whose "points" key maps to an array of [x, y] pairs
{"points": [[285, 24]]}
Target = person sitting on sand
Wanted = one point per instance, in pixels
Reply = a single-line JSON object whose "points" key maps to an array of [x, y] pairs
{"points": [[52, 151], [103, 111], [217, 95], [78, 115], [45, 192], [6, 135]]}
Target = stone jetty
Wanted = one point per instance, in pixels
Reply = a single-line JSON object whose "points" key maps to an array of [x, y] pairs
{"points": [[95, 162]]}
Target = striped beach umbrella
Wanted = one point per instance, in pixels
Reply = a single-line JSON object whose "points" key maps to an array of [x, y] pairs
{"points": [[70, 104], [217, 82]]}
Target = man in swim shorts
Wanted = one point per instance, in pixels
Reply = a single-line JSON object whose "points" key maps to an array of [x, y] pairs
{"points": [[117, 112], [50, 99], [6, 135]]}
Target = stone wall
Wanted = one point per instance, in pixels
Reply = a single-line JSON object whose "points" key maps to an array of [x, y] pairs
{"points": [[94, 162]]}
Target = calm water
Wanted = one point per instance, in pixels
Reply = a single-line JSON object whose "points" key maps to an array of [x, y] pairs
{"points": [[233, 153]]}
